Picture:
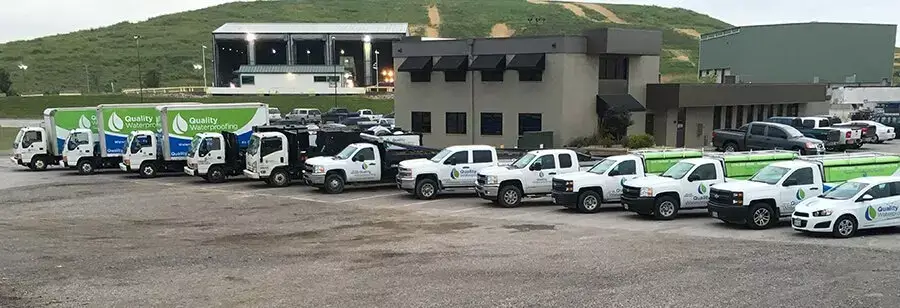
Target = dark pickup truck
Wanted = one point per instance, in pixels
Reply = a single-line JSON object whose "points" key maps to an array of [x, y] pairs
{"points": [[335, 115], [766, 136]]}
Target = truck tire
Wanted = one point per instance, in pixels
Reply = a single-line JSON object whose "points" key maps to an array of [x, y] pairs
{"points": [[844, 227], [279, 178], [148, 170], [762, 216], [589, 202], [334, 184], [666, 208], [38, 163], [426, 189], [215, 174], [509, 196], [85, 167], [729, 147]]}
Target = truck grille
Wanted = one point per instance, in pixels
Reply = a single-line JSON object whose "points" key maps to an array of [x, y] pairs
{"points": [[307, 168], [833, 135], [631, 192], [721, 196], [482, 179], [801, 214], [559, 185]]}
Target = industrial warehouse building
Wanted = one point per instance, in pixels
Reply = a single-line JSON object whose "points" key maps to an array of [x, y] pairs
{"points": [[493, 90], [830, 53], [302, 58]]}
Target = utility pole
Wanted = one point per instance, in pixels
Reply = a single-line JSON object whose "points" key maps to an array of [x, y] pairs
{"points": [[87, 78], [203, 59], [137, 44]]}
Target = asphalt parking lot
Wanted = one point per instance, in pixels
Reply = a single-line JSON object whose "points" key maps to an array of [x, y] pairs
{"points": [[113, 239]]}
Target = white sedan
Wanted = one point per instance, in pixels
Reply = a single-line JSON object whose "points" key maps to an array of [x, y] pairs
{"points": [[861, 203], [883, 132]]}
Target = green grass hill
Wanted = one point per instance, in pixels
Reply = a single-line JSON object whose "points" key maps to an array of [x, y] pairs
{"points": [[171, 43]]}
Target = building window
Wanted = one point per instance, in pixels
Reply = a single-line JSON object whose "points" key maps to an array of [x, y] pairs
{"points": [[492, 75], [421, 122], [531, 75], [320, 78], [729, 116], [761, 113], [740, 116], [529, 122], [717, 117], [648, 124], [455, 76], [771, 111], [491, 123], [456, 122], [248, 80], [613, 68], [793, 110], [423, 76], [749, 114], [780, 110]]}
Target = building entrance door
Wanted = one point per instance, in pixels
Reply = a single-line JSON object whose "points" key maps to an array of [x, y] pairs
{"points": [[679, 128]]}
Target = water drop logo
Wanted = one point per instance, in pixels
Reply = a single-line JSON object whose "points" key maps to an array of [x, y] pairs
{"points": [[622, 181], [871, 213], [702, 189], [115, 123], [454, 174], [365, 166], [179, 125], [800, 194], [84, 123]]}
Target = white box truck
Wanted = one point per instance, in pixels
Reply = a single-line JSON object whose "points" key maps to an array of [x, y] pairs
{"points": [[40, 146]]}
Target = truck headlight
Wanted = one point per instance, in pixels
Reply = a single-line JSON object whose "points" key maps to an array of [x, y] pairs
{"points": [[318, 169], [821, 213], [491, 180], [810, 145], [738, 198], [646, 192]]}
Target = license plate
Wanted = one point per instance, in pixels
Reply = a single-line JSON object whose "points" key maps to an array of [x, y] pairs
{"points": [[797, 222], [715, 214]]}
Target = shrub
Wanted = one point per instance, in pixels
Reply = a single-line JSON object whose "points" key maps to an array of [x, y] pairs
{"points": [[640, 141], [595, 139]]}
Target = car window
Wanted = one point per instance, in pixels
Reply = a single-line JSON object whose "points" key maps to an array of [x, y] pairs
{"points": [[757, 129], [461, 157], [824, 123], [776, 132], [704, 172], [803, 176], [32, 136], [880, 191], [626, 167], [547, 162], [809, 123], [482, 156], [565, 160], [366, 154]]}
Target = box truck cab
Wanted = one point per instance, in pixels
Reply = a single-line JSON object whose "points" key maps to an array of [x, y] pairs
{"points": [[215, 156], [586, 191], [452, 169], [861, 203], [686, 185], [772, 193], [529, 176], [40, 146]]}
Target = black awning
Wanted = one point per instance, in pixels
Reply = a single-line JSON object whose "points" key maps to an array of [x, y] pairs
{"points": [[452, 63], [606, 102], [531, 61], [415, 64], [488, 63]]}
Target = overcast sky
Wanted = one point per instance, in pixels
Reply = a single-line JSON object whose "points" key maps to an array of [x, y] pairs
{"points": [[35, 18]]}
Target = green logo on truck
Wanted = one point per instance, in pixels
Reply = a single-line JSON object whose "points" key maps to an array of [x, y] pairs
{"points": [[702, 189], [800, 194], [191, 122], [871, 213], [454, 174]]}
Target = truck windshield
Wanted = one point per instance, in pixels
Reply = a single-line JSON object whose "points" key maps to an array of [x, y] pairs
{"points": [[195, 143], [253, 148], [345, 154], [128, 144], [18, 138], [76, 139], [440, 155], [844, 191], [523, 162], [769, 174], [678, 170], [602, 166]]}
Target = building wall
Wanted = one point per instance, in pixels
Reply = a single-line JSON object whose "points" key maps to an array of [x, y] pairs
{"points": [[437, 97], [642, 70], [287, 83], [798, 53], [578, 101]]}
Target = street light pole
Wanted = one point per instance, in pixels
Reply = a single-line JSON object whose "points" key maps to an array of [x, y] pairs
{"points": [[376, 67], [24, 69], [203, 59], [137, 45]]}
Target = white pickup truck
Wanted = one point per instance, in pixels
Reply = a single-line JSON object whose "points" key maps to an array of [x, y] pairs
{"points": [[773, 192], [685, 186], [587, 190], [529, 176], [452, 169]]}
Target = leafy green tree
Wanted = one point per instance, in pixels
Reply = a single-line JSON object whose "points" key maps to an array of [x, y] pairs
{"points": [[151, 79], [5, 82]]}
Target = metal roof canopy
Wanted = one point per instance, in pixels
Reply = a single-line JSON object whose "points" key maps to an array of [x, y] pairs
{"points": [[534, 61], [304, 28], [605, 102], [488, 63], [416, 64], [284, 69], [452, 63]]}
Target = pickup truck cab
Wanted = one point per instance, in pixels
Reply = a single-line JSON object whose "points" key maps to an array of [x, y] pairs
{"points": [[772, 193], [529, 176], [835, 138], [587, 190], [861, 203], [368, 114], [686, 185], [766, 136], [452, 169], [304, 116]]}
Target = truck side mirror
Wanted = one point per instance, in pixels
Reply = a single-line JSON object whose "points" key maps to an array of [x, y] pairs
{"points": [[866, 197], [614, 172], [536, 166], [693, 177], [790, 182], [450, 161]]}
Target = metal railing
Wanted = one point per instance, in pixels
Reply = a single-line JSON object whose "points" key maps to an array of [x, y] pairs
{"points": [[167, 90]]}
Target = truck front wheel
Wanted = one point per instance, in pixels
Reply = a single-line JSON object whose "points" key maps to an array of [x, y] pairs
{"points": [[426, 189], [215, 175], [334, 184], [589, 202], [38, 163], [148, 170], [666, 208], [85, 167], [509, 196], [278, 178], [762, 216]]}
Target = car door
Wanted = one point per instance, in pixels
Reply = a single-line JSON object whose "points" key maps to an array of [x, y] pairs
{"points": [[796, 187], [695, 188], [756, 136], [776, 138], [881, 210], [366, 166], [455, 169], [538, 175], [624, 170]]}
